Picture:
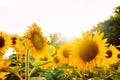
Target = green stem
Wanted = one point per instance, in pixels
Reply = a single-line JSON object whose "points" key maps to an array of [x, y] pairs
{"points": [[19, 76], [83, 75], [110, 75], [32, 71], [27, 77]]}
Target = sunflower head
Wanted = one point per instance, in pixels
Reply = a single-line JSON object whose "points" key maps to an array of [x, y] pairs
{"points": [[64, 52], [52, 50], [111, 56], [36, 41], [34, 34], [88, 51]]}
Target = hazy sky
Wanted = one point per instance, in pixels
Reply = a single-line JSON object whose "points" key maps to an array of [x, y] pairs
{"points": [[69, 17]]}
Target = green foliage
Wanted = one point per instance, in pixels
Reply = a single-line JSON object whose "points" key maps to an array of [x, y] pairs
{"points": [[60, 73], [55, 39], [111, 27], [37, 78], [12, 76]]}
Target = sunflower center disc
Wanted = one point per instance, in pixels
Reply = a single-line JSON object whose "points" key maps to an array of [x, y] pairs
{"points": [[37, 41], [118, 56], [88, 51], [13, 40], [66, 53], [56, 60], [44, 59], [109, 54], [2, 41]]}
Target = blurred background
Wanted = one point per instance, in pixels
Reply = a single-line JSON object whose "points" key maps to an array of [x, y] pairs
{"points": [[69, 17]]}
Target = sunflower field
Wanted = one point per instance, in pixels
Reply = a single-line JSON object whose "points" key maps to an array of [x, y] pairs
{"points": [[37, 57], [34, 57]]}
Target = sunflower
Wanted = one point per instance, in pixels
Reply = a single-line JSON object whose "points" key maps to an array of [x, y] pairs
{"points": [[18, 45], [56, 61], [52, 50], [5, 42], [111, 56], [63, 53], [88, 51], [36, 42], [48, 59], [18, 42]]}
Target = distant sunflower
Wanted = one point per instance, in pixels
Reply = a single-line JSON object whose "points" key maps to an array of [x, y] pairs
{"points": [[5, 42], [18, 44], [63, 53], [36, 42], [51, 50], [88, 51], [46, 58], [111, 56], [56, 61]]}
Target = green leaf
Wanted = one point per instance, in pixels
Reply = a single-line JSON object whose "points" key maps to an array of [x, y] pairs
{"points": [[40, 63], [37, 78], [13, 69], [96, 78]]}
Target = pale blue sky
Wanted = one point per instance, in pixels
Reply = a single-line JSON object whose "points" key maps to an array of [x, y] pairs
{"points": [[69, 17]]}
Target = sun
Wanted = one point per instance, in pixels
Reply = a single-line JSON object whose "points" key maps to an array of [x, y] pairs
{"points": [[36, 41], [5, 42], [88, 51]]}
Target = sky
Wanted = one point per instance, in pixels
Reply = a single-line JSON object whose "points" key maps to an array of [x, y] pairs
{"points": [[69, 17]]}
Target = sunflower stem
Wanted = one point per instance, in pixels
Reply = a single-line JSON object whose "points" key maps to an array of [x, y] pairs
{"points": [[83, 75], [19, 76], [110, 75], [27, 77], [32, 71]]}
